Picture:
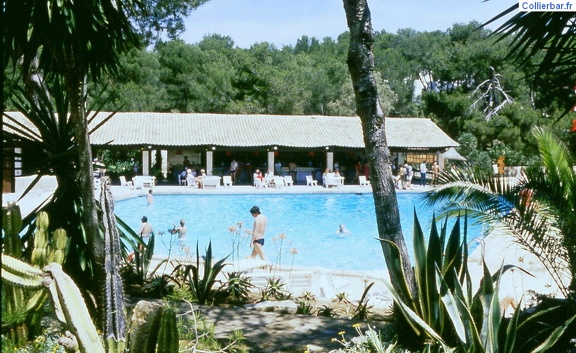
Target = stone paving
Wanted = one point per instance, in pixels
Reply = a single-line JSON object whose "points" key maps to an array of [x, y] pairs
{"points": [[273, 332]]}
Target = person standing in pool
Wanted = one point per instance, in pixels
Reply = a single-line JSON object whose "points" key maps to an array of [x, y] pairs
{"points": [[257, 243], [150, 197], [181, 231], [145, 228]]}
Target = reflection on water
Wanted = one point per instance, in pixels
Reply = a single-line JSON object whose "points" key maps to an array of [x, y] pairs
{"points": [[309, 221]]}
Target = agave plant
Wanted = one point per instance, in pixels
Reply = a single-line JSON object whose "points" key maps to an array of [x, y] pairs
{"points": [[238, 286], [447, 315], [202, 287]]}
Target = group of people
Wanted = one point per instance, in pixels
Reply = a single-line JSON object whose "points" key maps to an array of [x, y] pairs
{"points": [[258, 230], [146, 229], [191, 178], [329, 174], [405, 174], [360, 169]]}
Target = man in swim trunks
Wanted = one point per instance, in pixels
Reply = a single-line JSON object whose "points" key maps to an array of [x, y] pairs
{"points": [[145, 228], [257, 243]]}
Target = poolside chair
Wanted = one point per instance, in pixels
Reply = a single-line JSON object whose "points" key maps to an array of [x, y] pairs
{"points": [[278, 182], [310, 181], [191, 180], [227, 180], [260, 184], [288, 180], [123, 182], [363, 181]]}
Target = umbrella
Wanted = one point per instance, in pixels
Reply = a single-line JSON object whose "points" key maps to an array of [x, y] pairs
{"points": [[453, 154]]}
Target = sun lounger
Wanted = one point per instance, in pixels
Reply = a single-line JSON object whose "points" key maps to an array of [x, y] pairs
{"points": [[363, 181], [300, 281]]}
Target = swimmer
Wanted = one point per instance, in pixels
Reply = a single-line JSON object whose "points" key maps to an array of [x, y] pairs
{"points": [[342, 230], [181, 231], [150, 197]]}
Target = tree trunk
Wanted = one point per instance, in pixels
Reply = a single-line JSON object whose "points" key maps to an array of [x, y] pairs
{"points": [[361, 66], [74, 84]]}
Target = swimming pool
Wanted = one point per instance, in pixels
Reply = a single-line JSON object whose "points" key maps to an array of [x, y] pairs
{"points": [[309, 223]]}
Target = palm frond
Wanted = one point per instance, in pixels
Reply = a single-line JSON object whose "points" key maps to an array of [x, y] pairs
{"points": [[549, 33], [529, 207]]}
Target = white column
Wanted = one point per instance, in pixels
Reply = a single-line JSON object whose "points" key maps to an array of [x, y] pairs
{"points": [[146, 162], [209, 162], [271, 161], [330, 160], [164, 154]]}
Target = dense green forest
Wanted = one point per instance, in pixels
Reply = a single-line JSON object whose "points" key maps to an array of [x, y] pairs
{"points": [[461, 78]]}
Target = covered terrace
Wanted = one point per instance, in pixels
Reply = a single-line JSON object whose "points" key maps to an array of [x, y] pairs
{"points": [[212, 141]]}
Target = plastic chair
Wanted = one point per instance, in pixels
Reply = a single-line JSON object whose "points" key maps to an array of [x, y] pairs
{"points": [[310, 181], [227, 180], [123, 182], [363, 181]]}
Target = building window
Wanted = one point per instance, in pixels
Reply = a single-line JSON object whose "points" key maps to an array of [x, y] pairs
{"points": [[415, 158]]}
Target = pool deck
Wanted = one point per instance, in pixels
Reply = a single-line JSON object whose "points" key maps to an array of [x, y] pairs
{"points": [[128, 192], [497, 248]]}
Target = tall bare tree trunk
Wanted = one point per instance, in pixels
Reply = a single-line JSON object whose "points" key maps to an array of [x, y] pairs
{"points": [[74, 85], [361, 67]]}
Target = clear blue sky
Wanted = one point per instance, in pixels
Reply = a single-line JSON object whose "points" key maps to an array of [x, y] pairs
{"points": [[282, 22]]}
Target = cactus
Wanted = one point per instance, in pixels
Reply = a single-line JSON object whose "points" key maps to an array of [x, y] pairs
{"points": [[168, 332], [41, 242], [115, 322], [153, 329], [59, 243], [12, 225], [68, 303], [25, 291], [14, 315], [160, 335], [21, 274], [23, 297], [71, 309]]}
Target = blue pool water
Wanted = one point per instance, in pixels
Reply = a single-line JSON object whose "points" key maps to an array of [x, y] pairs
{"points": [[309, 223]]}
